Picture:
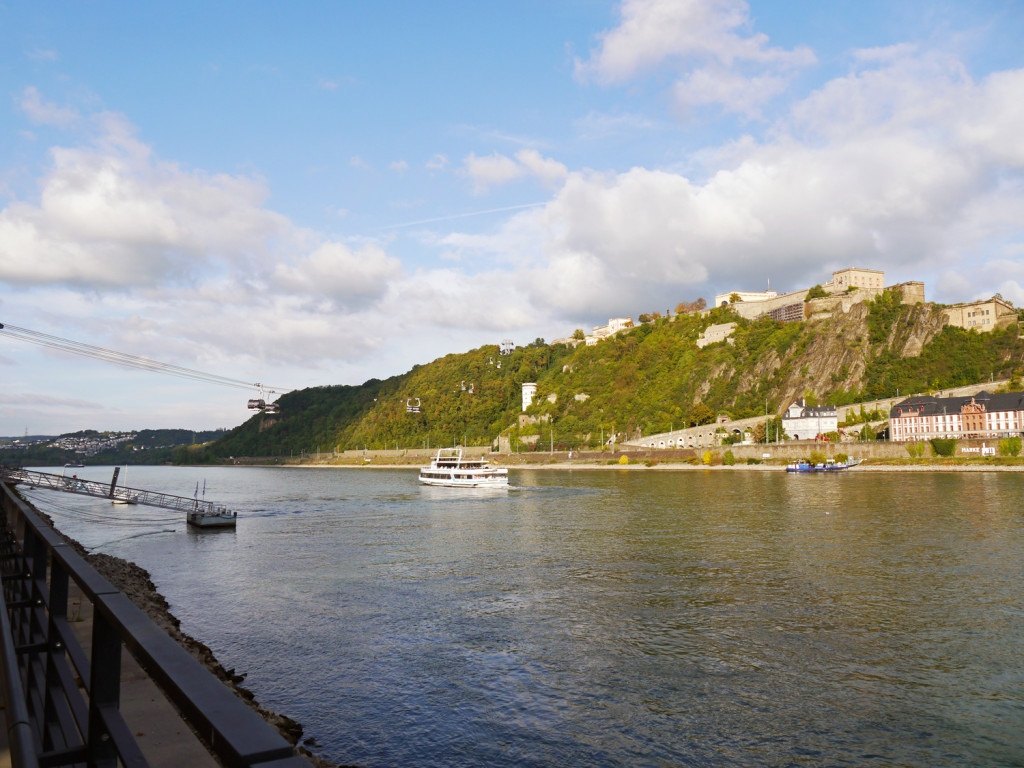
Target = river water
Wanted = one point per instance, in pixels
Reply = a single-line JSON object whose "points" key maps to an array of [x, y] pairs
{"points": [[604, 618]]}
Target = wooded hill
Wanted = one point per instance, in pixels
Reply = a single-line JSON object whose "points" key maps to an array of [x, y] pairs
{"points": [[149, 446], [649, 379]]}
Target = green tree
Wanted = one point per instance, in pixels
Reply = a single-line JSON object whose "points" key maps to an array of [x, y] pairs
{"points": [[916, 450], [816, 292], [579, 334], [867, 434], [943, 446], [728, 458], [701, 414], [1009, 446]]}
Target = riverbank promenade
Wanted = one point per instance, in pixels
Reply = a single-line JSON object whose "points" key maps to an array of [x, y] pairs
{"points": [[72, 695], [162, 734]]}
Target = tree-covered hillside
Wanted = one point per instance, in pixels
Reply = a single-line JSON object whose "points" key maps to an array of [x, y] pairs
{"points": [[649, 379], [374, 415]]}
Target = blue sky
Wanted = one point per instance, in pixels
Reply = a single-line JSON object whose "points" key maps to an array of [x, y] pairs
{"points": [[320, 193]]}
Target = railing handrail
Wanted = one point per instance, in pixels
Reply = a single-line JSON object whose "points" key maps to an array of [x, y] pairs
{"points": [[229, 727]]}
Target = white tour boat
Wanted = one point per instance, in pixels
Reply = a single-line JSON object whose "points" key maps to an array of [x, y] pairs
{"points": [[448, 468]]}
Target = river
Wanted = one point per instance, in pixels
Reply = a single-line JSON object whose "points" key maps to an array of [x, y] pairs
{"points": [[603, 618]]}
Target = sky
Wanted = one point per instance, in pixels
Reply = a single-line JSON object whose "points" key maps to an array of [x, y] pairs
{"points": [[318, 193]]}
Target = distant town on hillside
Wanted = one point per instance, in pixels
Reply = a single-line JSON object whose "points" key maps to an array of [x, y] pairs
{"points": [[145, 446]]}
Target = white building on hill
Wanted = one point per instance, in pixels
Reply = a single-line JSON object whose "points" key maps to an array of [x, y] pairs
{"points": [[805, 422], [615, 325]]}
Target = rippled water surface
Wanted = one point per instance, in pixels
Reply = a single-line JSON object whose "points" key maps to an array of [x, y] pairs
{"points": [[614, 618]]}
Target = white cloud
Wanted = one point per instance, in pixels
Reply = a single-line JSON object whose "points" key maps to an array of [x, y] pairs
{"points": [[399, 166], [110, 215], [995, 119], [142, 254], [706, 40], [904, 163], [735, 92], [437, 163], [357, 162], [347, 278], [548, 171], [44, 112], [490, 170], [496, 169], [907, 166]]}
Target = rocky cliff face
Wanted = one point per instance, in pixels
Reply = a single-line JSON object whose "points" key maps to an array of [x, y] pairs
{"points": [[840, 348], [834, 351]]}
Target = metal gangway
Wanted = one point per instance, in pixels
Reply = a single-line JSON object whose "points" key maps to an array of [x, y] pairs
{"points": [[53, 482]]}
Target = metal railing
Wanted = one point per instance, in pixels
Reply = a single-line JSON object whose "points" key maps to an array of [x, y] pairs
{"points": [[106, 490], [62, 702]]}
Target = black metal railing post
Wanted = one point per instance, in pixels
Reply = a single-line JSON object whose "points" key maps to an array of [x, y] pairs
{"points": [[54, 650], [104, 691]]}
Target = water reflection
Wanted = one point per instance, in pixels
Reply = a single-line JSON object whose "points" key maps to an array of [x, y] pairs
{"points": [[613, 618]]}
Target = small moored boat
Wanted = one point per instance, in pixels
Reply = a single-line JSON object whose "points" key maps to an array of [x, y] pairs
{"points": [[218, 518], [449, 469], [829, 466]]}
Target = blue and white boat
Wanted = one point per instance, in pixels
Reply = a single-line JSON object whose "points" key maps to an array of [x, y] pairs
{"points": [[829, 466]]}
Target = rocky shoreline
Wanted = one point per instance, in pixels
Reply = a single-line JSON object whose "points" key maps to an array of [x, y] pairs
{"points": [[136, 584]]}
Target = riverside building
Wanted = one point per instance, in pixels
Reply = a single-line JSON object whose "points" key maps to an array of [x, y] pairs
{"points": [[983, 415], [806, 422]]}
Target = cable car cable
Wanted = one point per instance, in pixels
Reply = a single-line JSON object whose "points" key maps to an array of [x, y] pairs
{"points": [[126, 360]]}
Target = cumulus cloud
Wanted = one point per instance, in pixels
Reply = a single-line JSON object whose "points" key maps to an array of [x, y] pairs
{"points": [[496, 169], [735, 92], [707, 41], [349, 279], [904, 164], [141, 254], [110, 215], [490, 170], [45, 112]]}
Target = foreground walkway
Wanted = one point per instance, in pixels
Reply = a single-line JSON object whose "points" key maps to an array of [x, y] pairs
{"points": [[72, 638]]}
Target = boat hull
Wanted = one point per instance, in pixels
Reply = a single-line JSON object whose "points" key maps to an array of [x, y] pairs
{"points": [[819, 467], [499, 479], [199, 520]]}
